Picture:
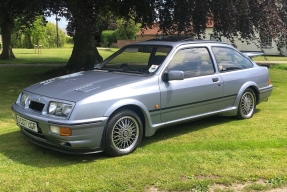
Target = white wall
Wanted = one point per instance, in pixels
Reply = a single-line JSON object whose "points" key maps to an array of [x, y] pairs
{"points": [[249, 47]]}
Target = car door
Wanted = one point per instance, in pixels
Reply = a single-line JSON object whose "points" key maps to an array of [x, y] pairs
{"points": [[201, 90]]}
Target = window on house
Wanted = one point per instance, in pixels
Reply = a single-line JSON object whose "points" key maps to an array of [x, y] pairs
{"points": [[213, 38], [266, 41]]}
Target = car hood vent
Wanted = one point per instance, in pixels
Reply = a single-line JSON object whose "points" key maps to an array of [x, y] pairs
{"points": [[87, 88]]}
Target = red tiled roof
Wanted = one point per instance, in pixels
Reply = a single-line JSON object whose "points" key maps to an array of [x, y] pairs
{"points": [[150, 31], [155, 30]]}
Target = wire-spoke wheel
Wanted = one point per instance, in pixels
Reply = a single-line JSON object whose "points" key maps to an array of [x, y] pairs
{"points": [[123, 133], [247, 104]]}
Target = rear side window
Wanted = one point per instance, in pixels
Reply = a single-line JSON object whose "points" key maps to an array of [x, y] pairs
{"points": [[193, 62], [229, 60]]}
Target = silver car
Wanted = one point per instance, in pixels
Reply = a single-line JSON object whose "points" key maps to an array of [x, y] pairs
{"points": [[139, 89]]}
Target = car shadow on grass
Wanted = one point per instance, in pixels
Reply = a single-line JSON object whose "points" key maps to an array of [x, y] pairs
{"points": [[179, 129], [18, 149]]}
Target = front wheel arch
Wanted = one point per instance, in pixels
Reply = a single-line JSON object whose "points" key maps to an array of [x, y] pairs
{"points": [[135, 109], [123, 132]]}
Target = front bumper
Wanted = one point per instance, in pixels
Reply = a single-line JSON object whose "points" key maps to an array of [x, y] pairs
{"points": [[86, 135]]}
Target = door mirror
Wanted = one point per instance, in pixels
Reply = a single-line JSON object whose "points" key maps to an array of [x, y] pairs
{"points": [[173, 75]]}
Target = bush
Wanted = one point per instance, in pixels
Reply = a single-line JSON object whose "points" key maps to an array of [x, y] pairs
{"points": [[108, 37], [69, 40]]}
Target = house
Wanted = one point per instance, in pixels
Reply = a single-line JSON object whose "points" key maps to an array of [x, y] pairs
{"points": [[269, 46]]}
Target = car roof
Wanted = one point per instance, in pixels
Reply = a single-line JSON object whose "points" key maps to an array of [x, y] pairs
{"points": [[176, 43]]}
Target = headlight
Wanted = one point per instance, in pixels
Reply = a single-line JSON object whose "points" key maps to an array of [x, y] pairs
{"points": [[24, 99], [59, 109]]}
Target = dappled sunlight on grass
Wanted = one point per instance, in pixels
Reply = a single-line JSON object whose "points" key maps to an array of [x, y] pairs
{"points": [[48, 56]]}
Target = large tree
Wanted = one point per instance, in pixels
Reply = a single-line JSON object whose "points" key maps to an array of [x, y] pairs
{"points": [[24, 11], [231, 18], [87, 19]]}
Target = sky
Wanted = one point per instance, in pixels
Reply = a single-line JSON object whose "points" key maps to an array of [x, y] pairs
{"points": [[62, 23]]}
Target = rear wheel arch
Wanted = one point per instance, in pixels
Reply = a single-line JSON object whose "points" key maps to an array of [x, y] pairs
{"points": [[247, 104], [256, 92]]}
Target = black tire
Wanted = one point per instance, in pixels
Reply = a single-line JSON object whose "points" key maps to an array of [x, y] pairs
{"points": [[247, 104], [123, 133]]}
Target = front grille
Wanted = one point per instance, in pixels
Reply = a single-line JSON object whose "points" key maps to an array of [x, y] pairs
{"points": [[36, 106]]}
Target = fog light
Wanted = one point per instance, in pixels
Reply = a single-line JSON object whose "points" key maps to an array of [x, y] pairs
{"points": [[65, 131], [55, 130]]}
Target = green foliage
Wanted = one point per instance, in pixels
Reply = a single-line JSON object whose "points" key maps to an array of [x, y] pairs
{"points": [[38, 34], [256, 187], [37, 31], [69, 40], [126, 30], [50, 40], [280, 66], [108, 37], [277, 181]]}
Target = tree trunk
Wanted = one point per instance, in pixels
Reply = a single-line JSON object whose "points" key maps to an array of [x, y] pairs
{"points": [[7, 52], [29, 41], [85, 54]]}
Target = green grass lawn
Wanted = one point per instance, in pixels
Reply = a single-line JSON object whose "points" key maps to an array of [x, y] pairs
{"points": [[61, 55], [195, 156], [270, 58]]}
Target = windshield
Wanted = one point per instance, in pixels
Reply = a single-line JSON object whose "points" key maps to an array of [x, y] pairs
{"points": [[138, 59]]}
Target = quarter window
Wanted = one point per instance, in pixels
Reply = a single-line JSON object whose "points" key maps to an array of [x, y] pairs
{"points": [[193, 62], [228, 59]]}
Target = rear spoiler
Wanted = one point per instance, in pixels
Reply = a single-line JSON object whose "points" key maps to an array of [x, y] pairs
{"points": [[253, 54]]}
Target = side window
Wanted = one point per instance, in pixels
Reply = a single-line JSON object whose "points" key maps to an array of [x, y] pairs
{"points": [[193, 62], [228, 59]]}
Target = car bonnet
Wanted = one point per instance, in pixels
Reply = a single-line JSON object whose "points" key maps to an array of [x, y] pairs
{"points": [[76, 86]]}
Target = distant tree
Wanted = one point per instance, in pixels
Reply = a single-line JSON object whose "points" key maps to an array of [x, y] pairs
{"points": [[22, 10], [126, 29], [51, 37], [39, 33]]}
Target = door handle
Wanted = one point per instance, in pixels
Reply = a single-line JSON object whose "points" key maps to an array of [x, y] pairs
{"points": [[215, 79]]}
